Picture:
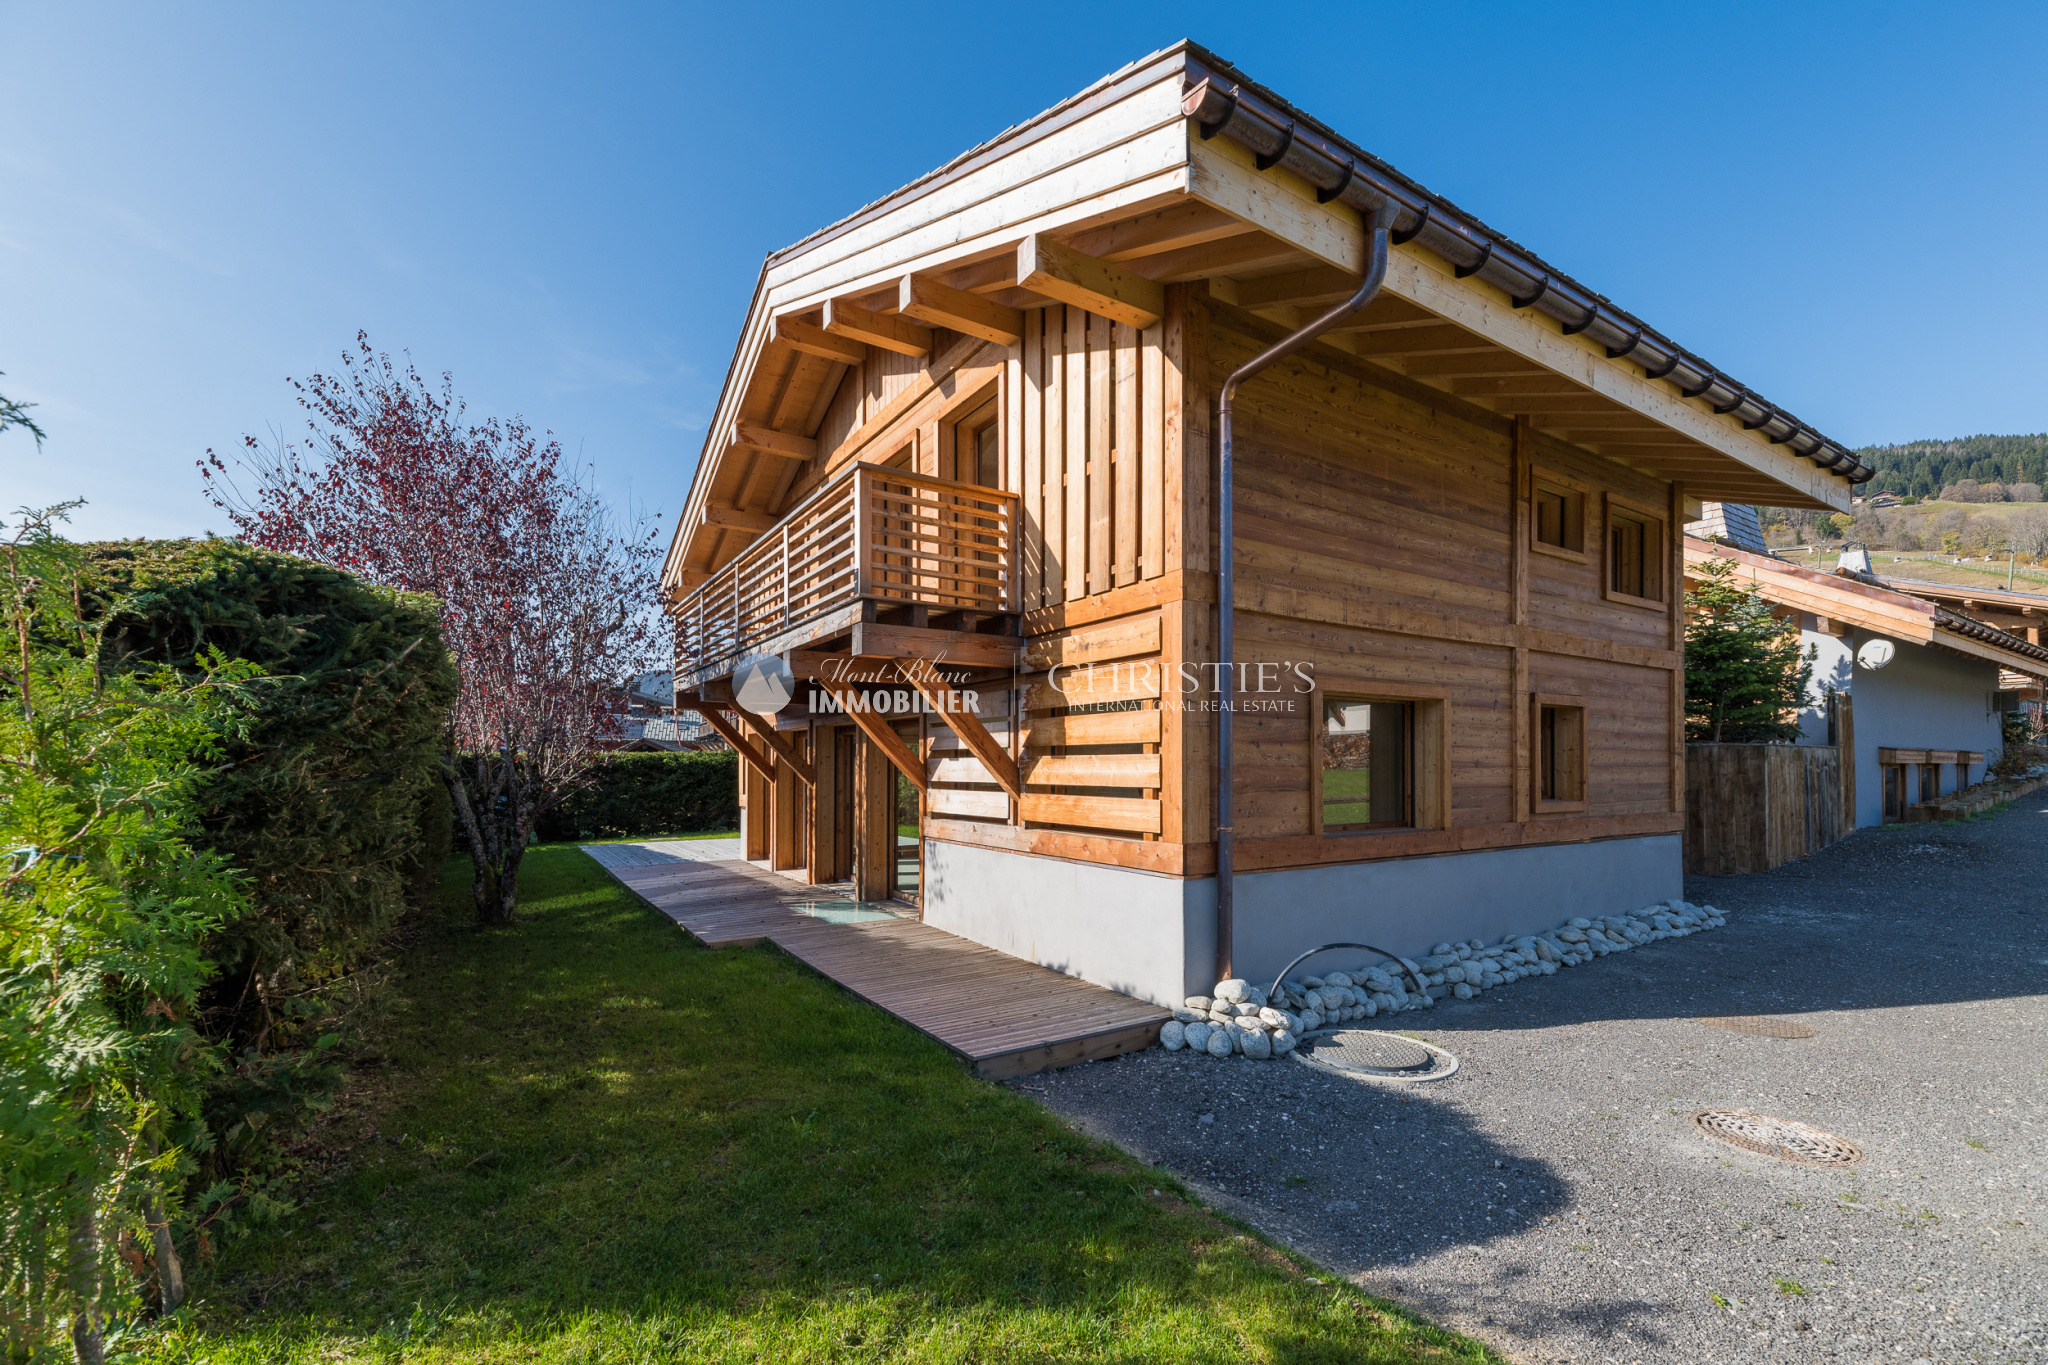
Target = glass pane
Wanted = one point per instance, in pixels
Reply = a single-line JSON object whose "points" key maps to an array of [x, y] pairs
{"points": [[1628, 556], [906, 838], [986, 473], [1365, 758], [1550, 517]]}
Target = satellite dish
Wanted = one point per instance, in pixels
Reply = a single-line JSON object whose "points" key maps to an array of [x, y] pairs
{"points": [[763, 684], [1875, 654]]}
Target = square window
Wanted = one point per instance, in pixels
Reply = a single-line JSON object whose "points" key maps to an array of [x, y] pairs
{"points": [[1635, 556], [1366, 763], [1560, 517]]}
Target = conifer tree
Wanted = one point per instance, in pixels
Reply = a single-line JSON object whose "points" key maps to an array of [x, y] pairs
{"points": [[1745, 675]]}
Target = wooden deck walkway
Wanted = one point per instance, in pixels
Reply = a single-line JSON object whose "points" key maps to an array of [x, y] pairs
{"points": [[999, 1014]]}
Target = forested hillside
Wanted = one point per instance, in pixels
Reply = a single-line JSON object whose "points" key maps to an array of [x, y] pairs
{"points": [[1923, 468]]}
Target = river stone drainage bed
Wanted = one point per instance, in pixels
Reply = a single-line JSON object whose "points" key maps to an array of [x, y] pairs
{"points": [[1763, 1026], [1780, 1138], [1376, 1056]]}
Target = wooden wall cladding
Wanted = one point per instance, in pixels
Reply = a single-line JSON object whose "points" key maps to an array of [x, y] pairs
{"points": [[1092, 447], [1373, 543]]}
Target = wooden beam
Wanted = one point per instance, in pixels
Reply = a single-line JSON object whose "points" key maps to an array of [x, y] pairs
{"points": [[943, 306], [784, 750], [787, 444], [1101, 287], [881, 733], [715, 515], [813, 340], [717, 720], [1185, 224], [871, 638], [965, 724], [885, 330]]}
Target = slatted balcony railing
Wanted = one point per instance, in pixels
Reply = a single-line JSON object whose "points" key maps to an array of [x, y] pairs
{"points": [[873, 533]]}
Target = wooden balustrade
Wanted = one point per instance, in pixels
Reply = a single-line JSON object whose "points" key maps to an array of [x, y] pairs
{"points": [[877, 533]]}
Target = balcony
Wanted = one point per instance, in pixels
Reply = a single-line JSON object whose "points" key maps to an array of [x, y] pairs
{"points": [[875, 543]]}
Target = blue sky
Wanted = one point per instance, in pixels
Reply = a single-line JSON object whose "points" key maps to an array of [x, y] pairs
{"points": [[567, 206]]}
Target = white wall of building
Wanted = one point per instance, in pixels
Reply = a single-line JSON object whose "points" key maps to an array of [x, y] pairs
{"points": [[1926, 698], [1154, 936]]}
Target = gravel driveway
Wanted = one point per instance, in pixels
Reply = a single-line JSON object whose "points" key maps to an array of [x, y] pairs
{"points": [[1552, 1198]]}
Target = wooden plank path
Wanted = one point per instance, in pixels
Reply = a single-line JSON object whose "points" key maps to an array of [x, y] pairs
{"points": [[999, 1014]]}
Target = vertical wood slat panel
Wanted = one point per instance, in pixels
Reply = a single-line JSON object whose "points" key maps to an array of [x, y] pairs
{"points": [[1151, 470], [1010, 457], [1031, 489], [1055, 456], [1076, 467], [1101, 436], [1124, 442]]}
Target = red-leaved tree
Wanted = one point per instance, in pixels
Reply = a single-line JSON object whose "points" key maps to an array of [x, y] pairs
{"points": [[547, 595]]}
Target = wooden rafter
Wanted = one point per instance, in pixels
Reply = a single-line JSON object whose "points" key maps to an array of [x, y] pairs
{"points": [[811, 339], [886, 330], [716, 515], [1183, 225], [784, 750], [881, 733], [1102, 287], [965, 724], [941, 305], [787, 444], [731, 734]]}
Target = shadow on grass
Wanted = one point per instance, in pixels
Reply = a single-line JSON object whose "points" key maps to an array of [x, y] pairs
{"points": [[589, 1137]]}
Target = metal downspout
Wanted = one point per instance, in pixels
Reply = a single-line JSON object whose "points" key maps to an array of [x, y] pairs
{"points": [[1378, 223]]}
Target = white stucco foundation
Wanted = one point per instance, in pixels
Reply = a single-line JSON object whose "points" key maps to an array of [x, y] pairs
{"points": [[1153, 936]]}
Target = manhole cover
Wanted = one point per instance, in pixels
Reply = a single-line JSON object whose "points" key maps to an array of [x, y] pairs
{"points": [[1383, 1056], [1763, 1026], [1780, 1138]]}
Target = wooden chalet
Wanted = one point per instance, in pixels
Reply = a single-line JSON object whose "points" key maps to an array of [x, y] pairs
{"points": [[969, 444], [1925, 720]]}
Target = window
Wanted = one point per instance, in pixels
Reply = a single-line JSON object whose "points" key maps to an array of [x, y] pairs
{"points": [[1366, 764], [1930, 781], [1560, 517], [1894, 791], [1635, 556], [1558, 763], [977, 448]]}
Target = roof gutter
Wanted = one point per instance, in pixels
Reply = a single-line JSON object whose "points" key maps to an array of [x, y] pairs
{"points": [[1277, 135]]}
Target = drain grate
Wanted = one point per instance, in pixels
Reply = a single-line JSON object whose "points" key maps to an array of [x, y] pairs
{"points": [[1763, 1026], [1780, 1138], [1382, 1056]]}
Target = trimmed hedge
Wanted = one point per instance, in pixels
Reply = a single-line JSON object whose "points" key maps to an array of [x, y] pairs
{"points": [[329, 798], [657, 793]]}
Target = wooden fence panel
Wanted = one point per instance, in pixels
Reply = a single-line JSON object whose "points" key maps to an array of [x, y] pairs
{"points": [[1753, 807]]}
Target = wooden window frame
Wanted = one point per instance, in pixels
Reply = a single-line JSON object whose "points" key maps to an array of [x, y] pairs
{"points": [[1578, 805], [1659, 529], [1885, 770], [1540, 477], [1429, 748]]}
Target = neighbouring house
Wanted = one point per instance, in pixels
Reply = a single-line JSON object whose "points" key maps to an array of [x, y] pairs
{"points": [[1907, 683], [649, 721], [962, 494]]}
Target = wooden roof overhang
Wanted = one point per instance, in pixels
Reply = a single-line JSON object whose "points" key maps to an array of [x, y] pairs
{"points": [[1102, 201], [2009, 611], [1874, 608]]}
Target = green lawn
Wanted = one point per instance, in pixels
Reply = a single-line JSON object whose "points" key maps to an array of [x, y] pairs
{"points": [[590, 1140]]}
